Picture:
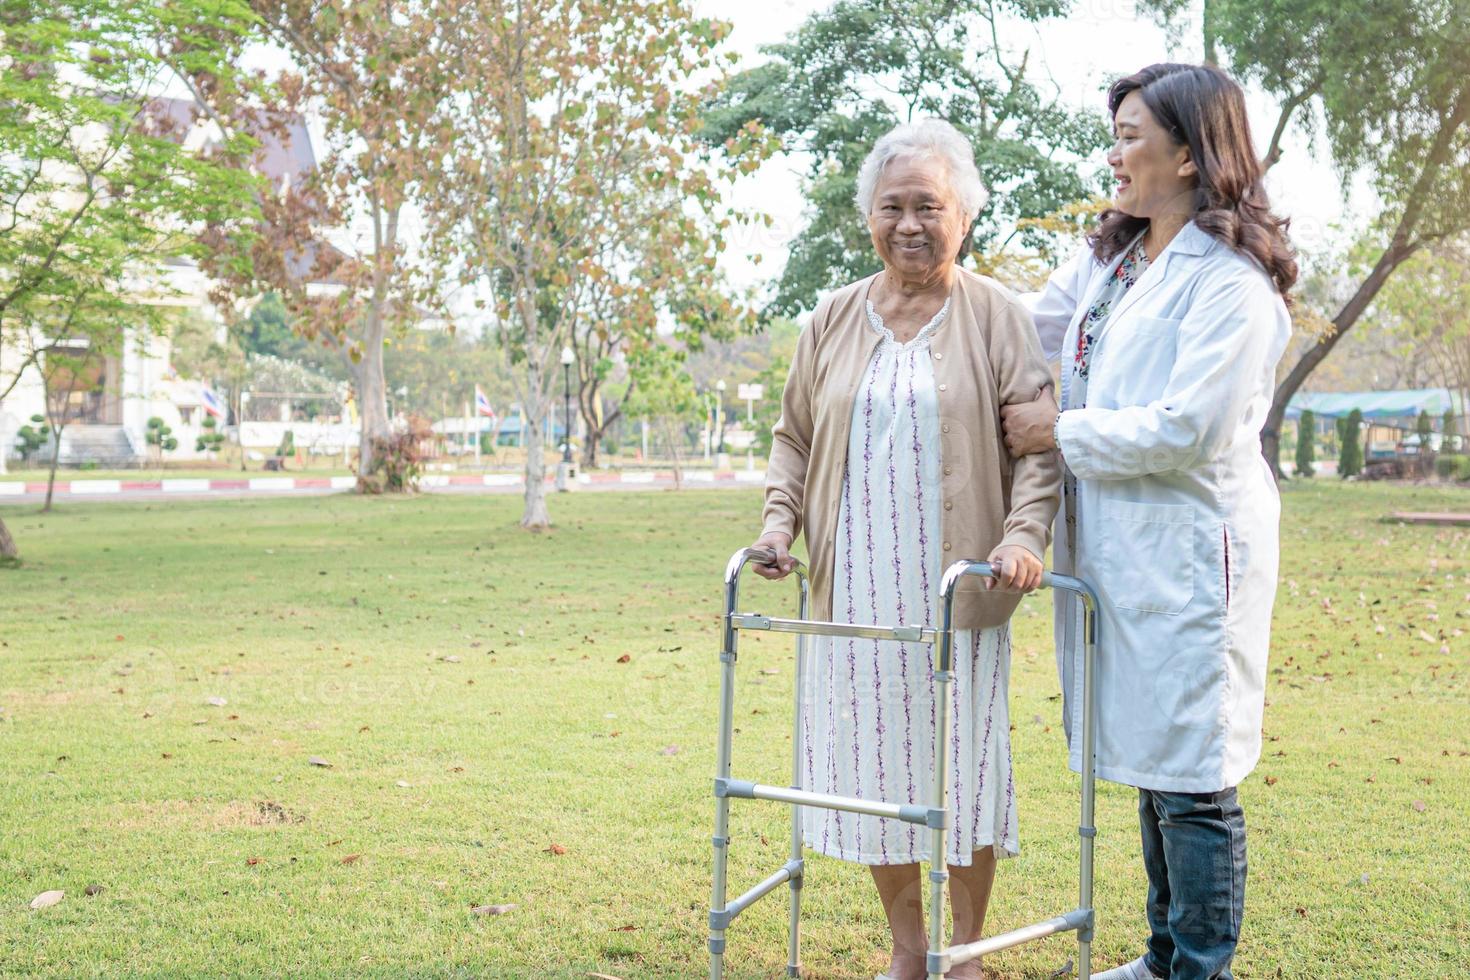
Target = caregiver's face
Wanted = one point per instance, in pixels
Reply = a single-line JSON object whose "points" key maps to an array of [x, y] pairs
{"points": [[916, 223], [1155, 174]]}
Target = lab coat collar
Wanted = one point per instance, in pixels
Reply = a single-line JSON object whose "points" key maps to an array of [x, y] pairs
{"points": [[1191, 240]]}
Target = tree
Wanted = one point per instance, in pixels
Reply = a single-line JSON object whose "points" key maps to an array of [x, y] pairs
{"points": [[97, 188], [161, 437], [1450, 427], [1391, 80], [850, 73], [565, 129], [1350, 457], [66, 373], [211, 440], [362, 73], [1306, 437], [31, 439], [667, 398], [662, 270], [1426, 310]]}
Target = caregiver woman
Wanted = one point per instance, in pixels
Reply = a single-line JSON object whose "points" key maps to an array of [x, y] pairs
{"points": [[1173, 322]]}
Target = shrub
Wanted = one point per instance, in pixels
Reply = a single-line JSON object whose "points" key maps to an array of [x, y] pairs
{"points": [[1447, 467], [211, 439], [288, 444], [1350, 463], [31, 439], [1462, 471], [1305, 438], [397, 461], [160, 436]]}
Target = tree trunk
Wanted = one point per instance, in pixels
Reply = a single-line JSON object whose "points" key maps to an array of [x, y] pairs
{"points": [[372, 400], [8, 552], [532, 419], [1391, 259], [674, 451], [55, 458]]}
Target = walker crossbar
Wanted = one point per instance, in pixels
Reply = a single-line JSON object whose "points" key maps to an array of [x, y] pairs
{"points": [[740, 789], [934, 816], [903, 634]]}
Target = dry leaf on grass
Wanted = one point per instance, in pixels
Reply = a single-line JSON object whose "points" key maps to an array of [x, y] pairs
{"points": [[317, 760], [625, 658], [491, 909], [350, 858], [47, 899], [252, 862], [1419, 806], [217, 702], [556, 849], [93, 889], [603, 976]]}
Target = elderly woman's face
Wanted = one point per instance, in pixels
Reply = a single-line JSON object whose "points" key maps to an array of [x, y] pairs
{"points": [[917, 223]]}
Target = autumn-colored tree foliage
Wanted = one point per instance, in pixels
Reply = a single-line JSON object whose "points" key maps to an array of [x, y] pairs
{"points": [[568, 190], [332, 242]]}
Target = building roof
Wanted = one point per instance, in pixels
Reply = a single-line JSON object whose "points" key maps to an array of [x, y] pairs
{"points": [[1398, 404]]}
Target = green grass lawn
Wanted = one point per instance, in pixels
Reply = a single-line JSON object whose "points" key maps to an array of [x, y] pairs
{"points": [[529, 720]]}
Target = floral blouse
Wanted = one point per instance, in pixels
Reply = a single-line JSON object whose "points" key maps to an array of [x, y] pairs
{"points": [[1129, 271]]}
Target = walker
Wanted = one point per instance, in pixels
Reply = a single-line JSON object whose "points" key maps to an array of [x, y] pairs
{"points": [[934, 815]]}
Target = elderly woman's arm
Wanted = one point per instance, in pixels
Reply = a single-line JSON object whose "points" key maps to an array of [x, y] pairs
{"points": [[791, 441], [1020, 373]]}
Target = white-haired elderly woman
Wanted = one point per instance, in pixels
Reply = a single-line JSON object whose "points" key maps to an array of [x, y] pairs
{"points": [[889, 456]]}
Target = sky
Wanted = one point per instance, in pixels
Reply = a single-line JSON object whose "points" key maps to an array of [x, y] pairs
{"points": [[1098, 41]]}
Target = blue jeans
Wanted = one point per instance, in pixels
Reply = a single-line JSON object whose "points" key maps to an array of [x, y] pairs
{"points": [[1194, 853]]}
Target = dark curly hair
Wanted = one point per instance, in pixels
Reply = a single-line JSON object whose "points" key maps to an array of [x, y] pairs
{"points": [[1204, 108]]}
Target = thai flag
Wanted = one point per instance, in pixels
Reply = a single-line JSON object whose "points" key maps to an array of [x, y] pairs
{"points": [[210, 401], [482, 405]]}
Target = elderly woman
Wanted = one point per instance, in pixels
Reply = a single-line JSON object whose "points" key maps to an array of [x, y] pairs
{"points": [[889, 456]]}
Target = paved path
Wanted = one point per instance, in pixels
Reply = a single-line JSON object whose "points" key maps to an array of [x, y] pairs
{"points": [[16, 491]]}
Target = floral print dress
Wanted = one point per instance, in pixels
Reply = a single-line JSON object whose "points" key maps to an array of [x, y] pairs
{"points": [[867, 723]]}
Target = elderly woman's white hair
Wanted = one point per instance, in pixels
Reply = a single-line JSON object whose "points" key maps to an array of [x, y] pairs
{"points": [[933, 138]]}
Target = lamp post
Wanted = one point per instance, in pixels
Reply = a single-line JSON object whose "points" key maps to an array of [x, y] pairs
{"points": [[722, 458], [564, 471]]}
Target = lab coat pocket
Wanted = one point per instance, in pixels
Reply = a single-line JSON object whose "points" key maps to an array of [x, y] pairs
{"points": [[1152, 343], [1149, 552]]}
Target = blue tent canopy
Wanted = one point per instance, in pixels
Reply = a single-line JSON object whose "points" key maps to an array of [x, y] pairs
{"points": [[1402, 404]]}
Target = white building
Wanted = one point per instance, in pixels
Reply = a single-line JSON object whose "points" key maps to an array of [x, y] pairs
{"points": [[108, 423]]}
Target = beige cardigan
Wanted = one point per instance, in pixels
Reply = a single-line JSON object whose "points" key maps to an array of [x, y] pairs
{"points": [[985, 355]]}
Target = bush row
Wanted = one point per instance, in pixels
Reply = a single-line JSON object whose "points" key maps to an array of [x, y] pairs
{"points": [[1452, 467]]}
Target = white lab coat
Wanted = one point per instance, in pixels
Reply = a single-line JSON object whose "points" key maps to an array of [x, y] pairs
{"points": [[1178, 514]]}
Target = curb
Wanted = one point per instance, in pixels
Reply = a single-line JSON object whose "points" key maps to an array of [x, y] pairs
{"points": [[288, 484]]}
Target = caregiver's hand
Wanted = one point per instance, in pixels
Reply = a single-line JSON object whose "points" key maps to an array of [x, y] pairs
{"points": [[780, 543], [1019, 570], [1028, 425]]}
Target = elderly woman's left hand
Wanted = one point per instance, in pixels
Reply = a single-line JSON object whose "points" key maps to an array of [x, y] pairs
{"points": [[1019, 570], [1028, 425]]}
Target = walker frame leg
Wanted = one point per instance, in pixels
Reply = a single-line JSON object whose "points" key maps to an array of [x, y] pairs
{"points": [[935, 815]]}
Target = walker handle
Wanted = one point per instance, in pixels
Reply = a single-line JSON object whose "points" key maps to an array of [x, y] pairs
{"points": [[766, 557]]}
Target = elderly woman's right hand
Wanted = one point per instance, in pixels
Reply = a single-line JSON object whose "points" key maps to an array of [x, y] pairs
{"points": [[780, 543]]}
